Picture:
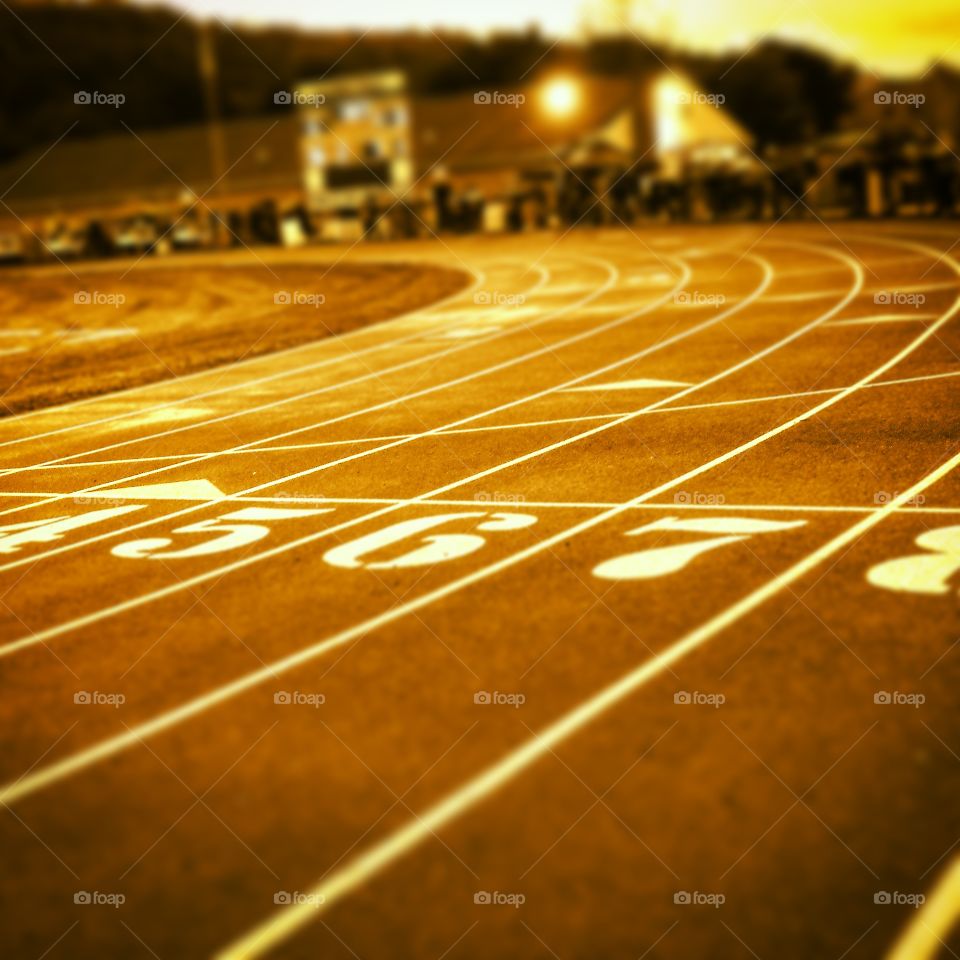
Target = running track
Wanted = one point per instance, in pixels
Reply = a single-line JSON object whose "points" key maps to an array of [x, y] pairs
{"points": [[607, 609]]}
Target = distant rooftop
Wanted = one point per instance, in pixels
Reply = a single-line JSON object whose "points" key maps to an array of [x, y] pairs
{"points": [[154, 166]]}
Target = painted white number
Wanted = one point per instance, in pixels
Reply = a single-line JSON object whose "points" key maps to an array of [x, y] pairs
{"points": [[432, 549], [659, 561], [928, 573], [17, 535], [233, 535]]}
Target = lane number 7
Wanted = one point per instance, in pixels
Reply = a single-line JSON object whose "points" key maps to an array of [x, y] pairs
{"points": [[659, 561]]}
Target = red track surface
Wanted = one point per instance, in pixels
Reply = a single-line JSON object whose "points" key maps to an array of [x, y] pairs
{"points": [[606, 610]]}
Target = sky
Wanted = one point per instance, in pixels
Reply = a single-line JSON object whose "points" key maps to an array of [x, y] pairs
{"points": [[889, 36]]}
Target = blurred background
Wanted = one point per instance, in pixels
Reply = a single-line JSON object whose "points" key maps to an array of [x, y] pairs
{"points": [[130, 128]]}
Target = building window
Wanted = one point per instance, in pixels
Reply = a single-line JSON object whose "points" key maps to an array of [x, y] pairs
{"points": [[394, 116], [352, 110]]}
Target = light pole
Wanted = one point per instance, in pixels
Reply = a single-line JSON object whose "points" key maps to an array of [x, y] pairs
{"points": [[207, 61]]}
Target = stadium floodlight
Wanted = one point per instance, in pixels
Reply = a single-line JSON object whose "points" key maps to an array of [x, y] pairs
{"points": [[560, 97]]}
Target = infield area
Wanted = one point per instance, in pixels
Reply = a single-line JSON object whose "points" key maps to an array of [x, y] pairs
{"points": [[606, 607]]}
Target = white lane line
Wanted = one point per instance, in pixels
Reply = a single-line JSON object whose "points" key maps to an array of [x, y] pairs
{"points": [[810, 393], [281, 401], [573, 288], [528, 424], [42, 777], [439, 431], [802, 296], [228, 388], [32, 559], [603, 308], [213, 453], [455, 804], [83, 337], [320, 444], [464, 333], [884, 318], [872, 264], [894, 288], [926, 934], [518, 501], [642, 383], [478, 278], [656, 407], [105, 487], [296, 398]]}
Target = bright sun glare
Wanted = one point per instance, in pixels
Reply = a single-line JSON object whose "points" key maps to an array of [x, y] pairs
{"points": [[561, 97]]}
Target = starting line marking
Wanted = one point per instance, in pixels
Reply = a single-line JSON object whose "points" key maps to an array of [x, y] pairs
{"points": [[517, 500]]}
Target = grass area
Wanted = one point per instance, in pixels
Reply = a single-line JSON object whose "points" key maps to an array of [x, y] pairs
{"points": [[65, 336]]}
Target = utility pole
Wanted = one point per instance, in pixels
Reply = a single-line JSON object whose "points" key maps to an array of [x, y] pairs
{"points": [[207, 62]]}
